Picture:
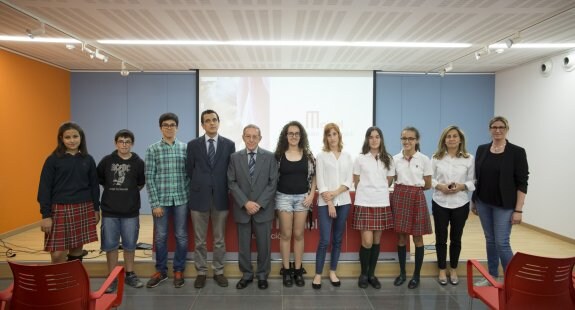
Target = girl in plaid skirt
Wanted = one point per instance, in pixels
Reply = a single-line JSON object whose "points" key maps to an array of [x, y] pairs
{"points": [[411, 217], [69, 196], [373, 173]]}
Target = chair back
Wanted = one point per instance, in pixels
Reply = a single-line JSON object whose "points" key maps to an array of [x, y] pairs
{"points": [[532, 280], [59, 286]]}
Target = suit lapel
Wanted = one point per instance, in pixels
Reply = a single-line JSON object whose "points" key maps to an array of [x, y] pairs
{"points": [[204, 150]]}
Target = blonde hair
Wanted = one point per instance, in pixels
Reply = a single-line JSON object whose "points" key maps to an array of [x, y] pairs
{"points": [[499, 119], [328, 127], [442, 148]]}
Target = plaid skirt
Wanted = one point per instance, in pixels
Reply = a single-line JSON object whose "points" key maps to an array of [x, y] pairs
{"points": [[372, 218], [73, 225], [410, 212]]}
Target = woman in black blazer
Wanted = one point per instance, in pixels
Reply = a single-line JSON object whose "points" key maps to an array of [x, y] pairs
{"points": [[502, 172]]}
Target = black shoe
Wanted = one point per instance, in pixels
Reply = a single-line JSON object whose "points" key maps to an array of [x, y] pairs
{"points": [[243, 283], [298, 277], [374, 282], [399, 280], [262, 284], [362, 282], [413, 283], [287, 278], [316, 286], [335, 283]]}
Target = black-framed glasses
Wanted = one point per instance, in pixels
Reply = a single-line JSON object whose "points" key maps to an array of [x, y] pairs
{"points": [[410, 139], [293, 134], [124, 142], [174, 125], [498, 127]]}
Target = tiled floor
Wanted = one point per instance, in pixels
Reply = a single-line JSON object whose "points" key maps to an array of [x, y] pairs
{"points": [[430, 295]]}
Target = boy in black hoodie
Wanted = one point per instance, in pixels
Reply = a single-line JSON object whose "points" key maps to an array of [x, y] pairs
{"points": [[122, 176]]}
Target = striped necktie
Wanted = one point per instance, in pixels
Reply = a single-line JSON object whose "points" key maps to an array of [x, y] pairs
{"points": [[211, 152], [252, 163]]}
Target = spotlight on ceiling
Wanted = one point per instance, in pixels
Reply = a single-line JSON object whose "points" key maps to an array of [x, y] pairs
{"points": [[449, 67], [70, 46], [100, 56], [36, 32], [124, 71], [569, 62], [477, 55], [546, 67]]}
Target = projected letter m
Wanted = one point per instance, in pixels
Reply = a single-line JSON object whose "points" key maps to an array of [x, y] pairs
{"points": [[312, 119]]}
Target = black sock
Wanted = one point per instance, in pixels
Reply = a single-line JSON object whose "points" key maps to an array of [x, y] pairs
{"points": [[418, 261], [373, 257], [364, 255], [401, 256]]}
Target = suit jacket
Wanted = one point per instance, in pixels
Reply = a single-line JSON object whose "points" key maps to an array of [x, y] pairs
{"points": [[260, 188], [514, 172], [206, 181]]}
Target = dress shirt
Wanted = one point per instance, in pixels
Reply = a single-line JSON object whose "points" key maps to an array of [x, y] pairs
{"points": [[215, 142], [169, 185], [331, 173], [372, 189], [255, 154], [457, 170], [411, 172]]}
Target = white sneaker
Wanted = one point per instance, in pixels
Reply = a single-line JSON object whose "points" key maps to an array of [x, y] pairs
{"points": [[482, 282]]}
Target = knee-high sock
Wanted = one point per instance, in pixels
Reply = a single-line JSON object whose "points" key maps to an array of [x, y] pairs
{"points": [[418, 261], [401, 255], [364, 255], [374, 255]]}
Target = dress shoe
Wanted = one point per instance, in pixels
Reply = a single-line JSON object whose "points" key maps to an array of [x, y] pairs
{"points": [[362, 281], [262, 284], [374, 282], [243, 283], [221, 280], [335, 283], [316, 286], [200, 281], [399, 280], [413, 283]]}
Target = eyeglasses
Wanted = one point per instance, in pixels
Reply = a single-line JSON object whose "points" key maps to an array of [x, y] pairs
{"points": [[174, 125], [124, 142], [498, 127], [410, 139], [248, 137], [293, 134]]}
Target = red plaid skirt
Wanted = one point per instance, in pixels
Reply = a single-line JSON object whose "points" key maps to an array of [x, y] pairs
{"points": [[372, 218], [410, 212], [73, 225]]}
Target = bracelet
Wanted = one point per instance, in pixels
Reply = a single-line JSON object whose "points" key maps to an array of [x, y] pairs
{"points": [[517, 211]]}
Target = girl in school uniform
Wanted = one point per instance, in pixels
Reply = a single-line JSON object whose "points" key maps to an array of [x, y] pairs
{"points": [[411, 217], [69, 196]]}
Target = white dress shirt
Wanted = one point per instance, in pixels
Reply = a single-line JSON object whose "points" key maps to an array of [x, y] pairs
{"points": [[331, 173], [411, 172], [372, 189], [457, 170]]}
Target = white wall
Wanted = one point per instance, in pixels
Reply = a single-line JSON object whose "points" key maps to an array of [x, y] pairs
{"points": [[541, 114]]}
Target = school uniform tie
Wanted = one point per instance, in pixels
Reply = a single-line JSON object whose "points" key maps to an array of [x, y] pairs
{"points": [[252, 163], [211, 152]]}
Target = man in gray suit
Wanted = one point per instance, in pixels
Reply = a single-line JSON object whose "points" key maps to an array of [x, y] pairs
{"points": [[252, 179]]}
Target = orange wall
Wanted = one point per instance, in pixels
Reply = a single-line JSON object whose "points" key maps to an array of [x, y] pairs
{"points": [[34, 101]]}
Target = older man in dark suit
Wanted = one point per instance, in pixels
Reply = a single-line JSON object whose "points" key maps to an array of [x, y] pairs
{"points": [[207, 165], [252, 179]]}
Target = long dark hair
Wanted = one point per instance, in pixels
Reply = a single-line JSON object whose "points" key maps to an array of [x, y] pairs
{"points": [[384, 156], [283, 145], [61, 148]]}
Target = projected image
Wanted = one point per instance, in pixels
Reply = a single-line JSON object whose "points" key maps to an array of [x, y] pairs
{"points": [[271, 99]]}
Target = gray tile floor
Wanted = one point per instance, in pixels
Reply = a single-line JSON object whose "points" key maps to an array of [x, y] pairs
{"points": [[429, 295]]}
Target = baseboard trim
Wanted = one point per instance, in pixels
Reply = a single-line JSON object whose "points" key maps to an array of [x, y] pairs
{"points": [[549, 233], [19, 230]]}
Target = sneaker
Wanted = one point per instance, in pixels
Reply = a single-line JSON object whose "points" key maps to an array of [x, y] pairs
{"points": [[156, 279], [112, 287], [482, 282], [179, 279], [132, 280]]}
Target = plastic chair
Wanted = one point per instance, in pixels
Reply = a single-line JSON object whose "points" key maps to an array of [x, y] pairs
{"points": [[531, 282], [59, 286]]}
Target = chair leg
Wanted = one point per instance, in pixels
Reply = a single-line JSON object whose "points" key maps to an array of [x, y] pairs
{"points": [[470, 306]]}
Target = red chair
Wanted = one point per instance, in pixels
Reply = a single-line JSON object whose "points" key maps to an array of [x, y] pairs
{"points": [[59, 286], [531, 282]]}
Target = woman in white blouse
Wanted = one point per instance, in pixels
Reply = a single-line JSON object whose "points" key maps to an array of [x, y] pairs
{"points": [[410, 214], [453, 177], [373, 172], [334, 179]]}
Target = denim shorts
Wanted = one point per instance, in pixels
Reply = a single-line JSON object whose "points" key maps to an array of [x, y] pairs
{"points": [[290, 202], [115, 227]]}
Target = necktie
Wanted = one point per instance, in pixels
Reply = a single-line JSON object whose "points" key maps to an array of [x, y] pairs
{"points": [[252, 163], [211, 152]]}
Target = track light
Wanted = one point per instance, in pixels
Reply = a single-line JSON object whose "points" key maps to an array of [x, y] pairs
{"points": [[484, 51], [70, 46], [124, 71], [477, 55], [569, 62], [100, 56], [449, 67], [442, 72], [36, 32]]}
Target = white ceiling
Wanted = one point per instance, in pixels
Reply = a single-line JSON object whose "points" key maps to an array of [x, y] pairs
{"points": [[478, 22]]}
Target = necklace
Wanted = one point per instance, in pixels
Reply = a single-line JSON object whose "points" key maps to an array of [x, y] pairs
{"points": [[498, 148]]}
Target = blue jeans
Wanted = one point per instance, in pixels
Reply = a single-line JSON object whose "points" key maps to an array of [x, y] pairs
{"points": [[496, 223], [113, 228], [325, 232], [180, 216]]}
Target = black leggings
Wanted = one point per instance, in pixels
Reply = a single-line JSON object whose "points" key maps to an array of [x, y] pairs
{"points": [[442, 217]]}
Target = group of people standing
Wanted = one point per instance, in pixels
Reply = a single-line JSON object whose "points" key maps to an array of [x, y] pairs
{"points": [[195, 180]]}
